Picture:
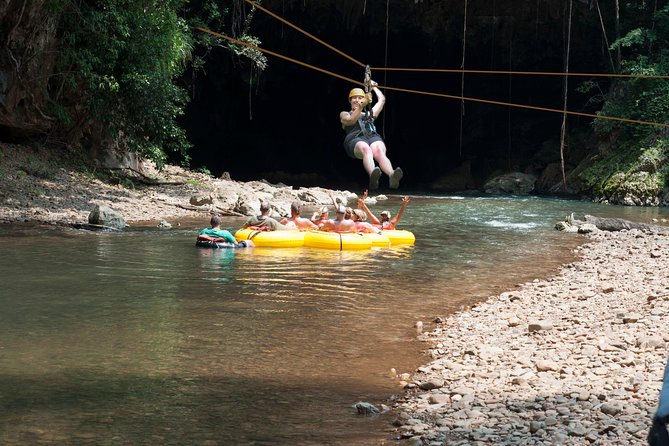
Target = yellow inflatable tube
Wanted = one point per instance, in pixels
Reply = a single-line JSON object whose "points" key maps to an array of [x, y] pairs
{"points": [[400, 236], [272, 239], [378, 240], [336, 240]]}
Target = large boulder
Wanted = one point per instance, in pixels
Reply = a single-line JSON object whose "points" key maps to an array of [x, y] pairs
{"points": [[458, 179], [105, 216], [514, 183], [550, 178]]}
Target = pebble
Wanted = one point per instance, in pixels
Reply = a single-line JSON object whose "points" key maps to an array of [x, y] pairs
{"points": [[575, 359]]}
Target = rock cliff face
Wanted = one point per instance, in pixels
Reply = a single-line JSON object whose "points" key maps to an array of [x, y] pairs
{"points": [[27, 61]]}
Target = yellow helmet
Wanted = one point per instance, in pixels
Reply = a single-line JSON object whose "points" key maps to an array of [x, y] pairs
{"points": [[356, 92]]}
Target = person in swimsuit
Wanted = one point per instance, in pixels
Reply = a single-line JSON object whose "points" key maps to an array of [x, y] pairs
{"points": [[297, 222], [320, 215], [339, 224], [359, 217], [363, 142], [385, 219]]}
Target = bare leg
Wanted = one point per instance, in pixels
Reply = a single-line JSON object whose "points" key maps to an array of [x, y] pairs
{"points": [[379, 152], [362, 150]]}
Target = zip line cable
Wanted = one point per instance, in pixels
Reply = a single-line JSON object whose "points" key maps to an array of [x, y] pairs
{"points": [[239, 42], [527, 73], [442, 95], [530, 107], [446, 70], [267, 11]]}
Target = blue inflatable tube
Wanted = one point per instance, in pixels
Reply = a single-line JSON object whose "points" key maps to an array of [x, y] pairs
{"points": [[219, 245]]}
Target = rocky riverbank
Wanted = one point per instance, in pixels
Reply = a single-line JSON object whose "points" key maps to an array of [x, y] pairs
{"points": [[43, 186], [576, 359]]}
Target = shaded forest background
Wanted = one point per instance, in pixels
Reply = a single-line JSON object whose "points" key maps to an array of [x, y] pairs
{"points": [[126, 77]]}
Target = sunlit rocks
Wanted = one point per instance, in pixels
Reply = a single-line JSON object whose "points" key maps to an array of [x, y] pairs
{"points": [[105, 216], [583, 365]]}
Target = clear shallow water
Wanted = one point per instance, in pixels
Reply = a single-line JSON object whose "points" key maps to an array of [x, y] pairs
{"points": [[142, 338]]}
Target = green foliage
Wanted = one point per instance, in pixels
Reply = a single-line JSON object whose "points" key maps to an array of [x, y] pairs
{"points": [[123, 56], [641, 172], [207, 14], [645, 52], [258, 58], [203, 170], [195, 183], [120, 62], [635, 37]]}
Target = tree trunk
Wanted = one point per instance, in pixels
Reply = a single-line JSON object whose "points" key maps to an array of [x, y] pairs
{"points": [[27, 59], [617, 35]]}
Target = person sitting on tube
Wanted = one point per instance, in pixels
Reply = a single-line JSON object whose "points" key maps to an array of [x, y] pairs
{"points": [[263, 221], [339, 224], [385, 219], [297, 222]]}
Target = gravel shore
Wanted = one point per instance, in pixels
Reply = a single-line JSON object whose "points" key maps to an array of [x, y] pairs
{"points": [[576, 359]]}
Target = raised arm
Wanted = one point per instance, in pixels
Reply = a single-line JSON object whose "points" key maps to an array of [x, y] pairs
{"points": [[372, 217], [364, 197], [380, 100], [396, 218], [334, 200]]}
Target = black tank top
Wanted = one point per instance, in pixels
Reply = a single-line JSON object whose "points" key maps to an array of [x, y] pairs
{"points": [[364, 127]]}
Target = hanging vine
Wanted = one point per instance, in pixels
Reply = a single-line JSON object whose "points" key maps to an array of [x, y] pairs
{"points": [[462, 78], [563, 129]]}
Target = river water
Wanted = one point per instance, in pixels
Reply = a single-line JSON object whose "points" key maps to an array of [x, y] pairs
{"points": [[142, 338]]}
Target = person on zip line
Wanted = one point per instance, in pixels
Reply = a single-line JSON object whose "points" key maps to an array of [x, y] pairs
{"points": [[363, 142]]}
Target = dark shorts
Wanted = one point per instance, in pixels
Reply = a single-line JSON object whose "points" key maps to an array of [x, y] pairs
{"points": [[349, 143]]}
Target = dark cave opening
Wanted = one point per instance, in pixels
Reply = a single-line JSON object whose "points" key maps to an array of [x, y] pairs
{"points": [[285, 119]]}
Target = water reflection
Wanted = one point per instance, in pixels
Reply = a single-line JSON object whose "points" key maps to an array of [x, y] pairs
{"points": [[141, 338]]}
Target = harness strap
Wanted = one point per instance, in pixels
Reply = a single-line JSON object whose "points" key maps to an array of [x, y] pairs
{"points": [[366, 123]]}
